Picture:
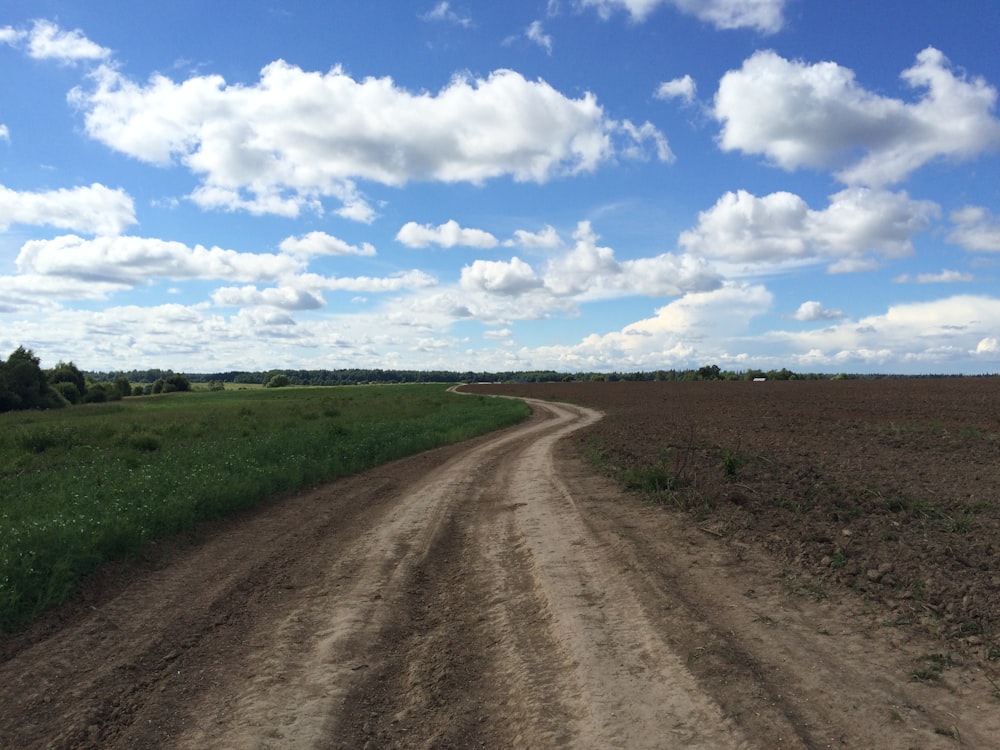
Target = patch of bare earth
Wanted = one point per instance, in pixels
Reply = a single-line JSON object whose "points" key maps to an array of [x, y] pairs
{"points": [[502, 593]]}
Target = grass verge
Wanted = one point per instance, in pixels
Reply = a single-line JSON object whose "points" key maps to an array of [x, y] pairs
{"points": [[94, 483]]}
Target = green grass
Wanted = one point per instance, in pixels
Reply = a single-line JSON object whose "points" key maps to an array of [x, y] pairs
{"points": [[92, 483]]}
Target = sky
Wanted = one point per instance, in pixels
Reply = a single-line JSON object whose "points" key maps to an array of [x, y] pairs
{"points": [[575, 185]]}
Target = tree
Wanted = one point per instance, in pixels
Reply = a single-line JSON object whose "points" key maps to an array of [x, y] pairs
{"points": [[69, 381], [177, 382], [709, 372], [123, 387], [23, 385]]}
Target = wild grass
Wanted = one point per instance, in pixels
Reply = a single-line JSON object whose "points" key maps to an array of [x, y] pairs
{"points": [[97, 482]]}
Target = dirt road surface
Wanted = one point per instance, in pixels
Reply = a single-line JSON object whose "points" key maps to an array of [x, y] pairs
{"points": [[493, 594]]}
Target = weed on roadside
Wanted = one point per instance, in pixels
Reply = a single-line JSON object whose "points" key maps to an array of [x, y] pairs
{"points": [[931, 666]]}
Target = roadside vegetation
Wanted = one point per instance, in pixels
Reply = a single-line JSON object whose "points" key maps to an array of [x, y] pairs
{"points": [[96, 482]]}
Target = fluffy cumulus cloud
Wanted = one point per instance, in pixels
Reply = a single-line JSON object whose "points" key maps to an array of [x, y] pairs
{"points": [[547, 238], [283, 297], [47, 41], [296, 137], [500, 277], [976, 229], [712, 327], [321, 243], [763, 15], [93, 209], [812, 310], [914, 337], [817, 115], [780, 227], [699, 326], [585, 272], [589, 271], [10, 35], [449, 234], [134, 260], [683, 88]]}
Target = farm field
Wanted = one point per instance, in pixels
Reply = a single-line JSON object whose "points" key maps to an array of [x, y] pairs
{"points": [[888, 487], [510, 591]]}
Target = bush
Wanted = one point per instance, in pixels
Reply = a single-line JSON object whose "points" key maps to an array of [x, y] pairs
{"points": [[278, 381], [69, 381], [67, 391], [99, 393]]}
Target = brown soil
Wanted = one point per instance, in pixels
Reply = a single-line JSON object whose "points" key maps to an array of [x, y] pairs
{"points": [[502, 593]]}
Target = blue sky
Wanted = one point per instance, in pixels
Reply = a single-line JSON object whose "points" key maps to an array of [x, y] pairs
{"points": [[578, 185]]}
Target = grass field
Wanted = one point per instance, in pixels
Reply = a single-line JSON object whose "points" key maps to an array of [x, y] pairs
{"points": [[92, 483]]}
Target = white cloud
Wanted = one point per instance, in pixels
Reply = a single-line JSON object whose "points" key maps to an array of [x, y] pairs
{"points": [[496, 292], [47, 41], [499, 334], [683, 88], [988, 346], [283, 297], [694, 329], [414, 279], [134, 260], [31, 291], [802, 115], [975, 229], [444, 12], [297, 137], [536, 34], [449, 234], [813, 310], [499, 277], [946, 276], [583, 267], [321, 243], [4, 133], [777, 228], [917, 336], [638, 136], [547, 238], [10, 35], [764, 15], [588, 272], [355, 207], [93, 209]]}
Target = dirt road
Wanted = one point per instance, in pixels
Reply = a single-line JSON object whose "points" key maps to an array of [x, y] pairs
{"points": [[493, 594]]}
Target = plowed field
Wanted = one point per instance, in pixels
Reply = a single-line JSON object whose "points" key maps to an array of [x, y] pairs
{"points": [[887, 487]]}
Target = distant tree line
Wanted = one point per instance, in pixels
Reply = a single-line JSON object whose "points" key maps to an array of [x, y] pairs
{"points": [[25, 385], [360, 376]]}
